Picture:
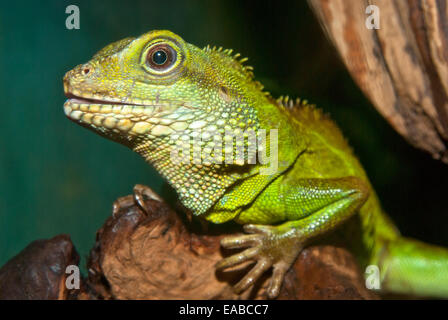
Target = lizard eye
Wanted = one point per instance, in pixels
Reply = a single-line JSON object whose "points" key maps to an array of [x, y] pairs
{"points": [[161, 57]]}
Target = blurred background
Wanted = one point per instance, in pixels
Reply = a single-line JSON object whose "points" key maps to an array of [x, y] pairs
{"points": [[56, 177]]}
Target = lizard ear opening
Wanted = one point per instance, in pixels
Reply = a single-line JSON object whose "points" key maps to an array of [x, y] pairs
{"points": [[161, 58]]}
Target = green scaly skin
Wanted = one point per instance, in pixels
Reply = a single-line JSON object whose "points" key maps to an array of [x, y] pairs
{"points": [[151, 92]]}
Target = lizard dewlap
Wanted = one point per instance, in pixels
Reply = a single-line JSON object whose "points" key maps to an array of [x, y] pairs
{"points": [[232, 152]]}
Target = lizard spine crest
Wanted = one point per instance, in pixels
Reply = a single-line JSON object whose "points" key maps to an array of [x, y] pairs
{"points": [[238, 61]]}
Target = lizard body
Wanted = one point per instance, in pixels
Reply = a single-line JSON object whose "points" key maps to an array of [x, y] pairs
{"points": [[183, 108]]}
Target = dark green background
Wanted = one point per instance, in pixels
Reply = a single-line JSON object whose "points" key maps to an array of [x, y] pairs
{"points": [[56, 177]]}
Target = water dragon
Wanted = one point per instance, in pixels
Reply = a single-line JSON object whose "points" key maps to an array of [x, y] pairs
{"points": [[156, 93]]}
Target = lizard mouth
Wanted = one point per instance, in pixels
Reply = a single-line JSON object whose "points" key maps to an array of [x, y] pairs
{"points": [[155, 118], [89, 100], [78, 105]]}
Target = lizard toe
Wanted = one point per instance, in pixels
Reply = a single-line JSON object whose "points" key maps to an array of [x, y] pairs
{"points": [[248, 254], [276, 281], [252, 276], [243, 241]]}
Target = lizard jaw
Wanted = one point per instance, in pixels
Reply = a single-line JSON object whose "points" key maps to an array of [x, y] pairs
{"points": [[108, 115], [156, 119]]}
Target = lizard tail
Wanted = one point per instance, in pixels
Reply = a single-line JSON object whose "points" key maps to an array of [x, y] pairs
{"points": [[408, 266]]}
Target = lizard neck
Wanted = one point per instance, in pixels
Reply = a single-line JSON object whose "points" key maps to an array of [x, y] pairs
{"points": [[203, 160]]}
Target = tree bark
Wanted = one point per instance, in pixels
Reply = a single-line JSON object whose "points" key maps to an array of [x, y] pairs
{"points": [[146, 251], [402, 67]]}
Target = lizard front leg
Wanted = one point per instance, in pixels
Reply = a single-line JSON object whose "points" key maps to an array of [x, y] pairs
{"points": [[319, 206]]}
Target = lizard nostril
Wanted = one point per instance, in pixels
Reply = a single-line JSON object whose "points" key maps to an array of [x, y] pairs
{"points": [[85, 71]]}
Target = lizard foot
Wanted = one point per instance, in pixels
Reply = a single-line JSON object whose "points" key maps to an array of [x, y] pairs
{"points": [[268, 248]]}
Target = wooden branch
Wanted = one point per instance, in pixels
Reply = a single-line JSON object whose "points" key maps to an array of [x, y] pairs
{"points": [[401, 67], [146, 251], [38, 272]]}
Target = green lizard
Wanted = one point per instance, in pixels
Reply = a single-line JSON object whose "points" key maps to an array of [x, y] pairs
{"points": [[156, 94]]}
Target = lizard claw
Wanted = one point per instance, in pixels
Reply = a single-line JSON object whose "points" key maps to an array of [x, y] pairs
{"points": [[140, 193], [267, 249]]}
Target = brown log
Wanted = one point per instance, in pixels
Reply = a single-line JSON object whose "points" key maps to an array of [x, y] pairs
{"points": [[402, 67], [38, 272], [145, 250]]}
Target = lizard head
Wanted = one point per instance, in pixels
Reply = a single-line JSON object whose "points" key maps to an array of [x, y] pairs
{"points": [[152, 91], [158, 85]]}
